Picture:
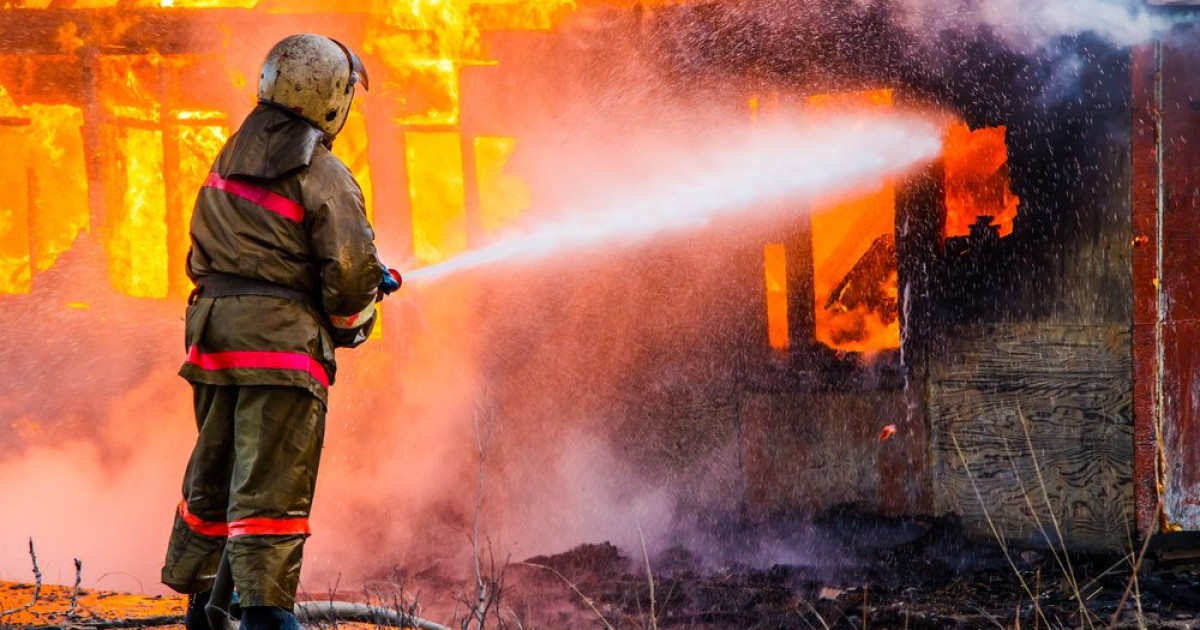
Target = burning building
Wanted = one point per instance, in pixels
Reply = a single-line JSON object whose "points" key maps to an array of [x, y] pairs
{"points": [[1012, 317]]}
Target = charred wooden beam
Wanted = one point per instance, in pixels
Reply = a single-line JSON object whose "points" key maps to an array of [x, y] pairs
{"points": [[920, 228], [141, 31]]}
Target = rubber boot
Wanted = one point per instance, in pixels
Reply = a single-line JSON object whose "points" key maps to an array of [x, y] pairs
{"points": [[268, 618], [195, 618]]}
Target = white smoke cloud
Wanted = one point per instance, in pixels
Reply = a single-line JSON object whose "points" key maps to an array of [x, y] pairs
{"points": [[1026, 24]]}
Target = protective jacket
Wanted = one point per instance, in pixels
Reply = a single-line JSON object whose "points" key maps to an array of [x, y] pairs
{"points": [[279, 211]]}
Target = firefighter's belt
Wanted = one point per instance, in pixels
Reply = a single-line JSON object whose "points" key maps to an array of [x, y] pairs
{"points": [[222, 285]]}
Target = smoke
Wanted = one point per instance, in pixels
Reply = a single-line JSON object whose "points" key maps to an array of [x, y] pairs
{"points": [[103, 499], [93, 426], [1031, 24]]}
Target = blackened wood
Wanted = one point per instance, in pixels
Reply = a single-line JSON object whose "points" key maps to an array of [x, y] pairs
{"points": [[920, 228], [1036, 408], [801, 311]]}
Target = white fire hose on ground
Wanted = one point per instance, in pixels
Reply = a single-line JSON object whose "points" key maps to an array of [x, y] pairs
{"points": [[221, 600]]}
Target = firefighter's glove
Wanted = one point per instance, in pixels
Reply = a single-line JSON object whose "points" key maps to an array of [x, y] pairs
{"points": [[391, 282]]}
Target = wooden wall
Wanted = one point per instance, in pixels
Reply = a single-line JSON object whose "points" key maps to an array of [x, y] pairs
{"points": [[1036, 406], [811, 451], [1027, 362]]}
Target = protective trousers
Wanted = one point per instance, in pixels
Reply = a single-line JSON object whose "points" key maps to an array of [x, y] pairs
{"points": [[249, 487]]}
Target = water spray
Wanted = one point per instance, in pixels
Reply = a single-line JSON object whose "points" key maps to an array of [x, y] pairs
{"points": [[740, 173]]}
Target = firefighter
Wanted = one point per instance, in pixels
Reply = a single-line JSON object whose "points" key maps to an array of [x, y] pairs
{"points": [[285, 268]]}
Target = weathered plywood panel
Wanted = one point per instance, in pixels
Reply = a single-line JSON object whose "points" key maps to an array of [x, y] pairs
{"points": [[1033, 408], [809, 451]]}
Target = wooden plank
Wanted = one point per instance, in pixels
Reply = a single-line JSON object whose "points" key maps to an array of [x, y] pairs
{"points": [[920, 231], [1145, 279], [1063, 350], [811, 451], [1180, 336], [1181, 413], [1072, 386]]}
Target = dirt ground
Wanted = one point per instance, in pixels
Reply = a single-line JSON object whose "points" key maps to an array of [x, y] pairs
{"points": [[904, 574]]}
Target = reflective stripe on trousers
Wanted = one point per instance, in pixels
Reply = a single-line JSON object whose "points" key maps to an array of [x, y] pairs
{"points": [[249, 487]]}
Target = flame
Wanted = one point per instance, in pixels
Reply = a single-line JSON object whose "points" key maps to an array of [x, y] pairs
{"points": [[436, 189], [42, 174], [15, 271], [351, 149], [977, 181], [843, 234], [159, 136], [425, 44], [775, 271], [126, 86], [208, 4], [502, 196], [198, 147], [137, 223], [59, 184]]}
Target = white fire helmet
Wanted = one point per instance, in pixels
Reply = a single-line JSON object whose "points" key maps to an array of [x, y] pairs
{"points": [[314, 77]]}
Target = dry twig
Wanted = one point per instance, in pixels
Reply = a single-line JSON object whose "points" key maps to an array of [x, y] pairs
{"points": [[1066, 556], [587, 600], [75, 591], [127, 622], [37, 586], [650, 579], [992, 526], [818, 615], [1137, 565]]}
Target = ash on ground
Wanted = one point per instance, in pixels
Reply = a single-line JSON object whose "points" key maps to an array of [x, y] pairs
{"points": [[902, 573]]}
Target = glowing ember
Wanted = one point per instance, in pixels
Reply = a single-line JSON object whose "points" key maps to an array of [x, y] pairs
{"points": [[977, 181]]}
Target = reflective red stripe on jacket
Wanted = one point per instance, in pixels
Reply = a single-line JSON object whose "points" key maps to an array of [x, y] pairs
{"points": [[245, 526], [258, 196], [259, 359]]}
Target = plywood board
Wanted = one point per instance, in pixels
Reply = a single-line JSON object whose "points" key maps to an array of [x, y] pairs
{"points": [[814, 450], [1032, 427]]}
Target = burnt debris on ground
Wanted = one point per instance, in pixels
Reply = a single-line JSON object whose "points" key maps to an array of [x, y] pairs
{"points": [[892, 573], [843, 569]]}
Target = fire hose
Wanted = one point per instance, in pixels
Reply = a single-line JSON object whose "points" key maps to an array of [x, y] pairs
{"points": [[221, 601]]}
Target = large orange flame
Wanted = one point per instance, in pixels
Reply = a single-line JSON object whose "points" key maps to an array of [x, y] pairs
{"points": [[45, 205], [977, 181], [846, 234]]}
